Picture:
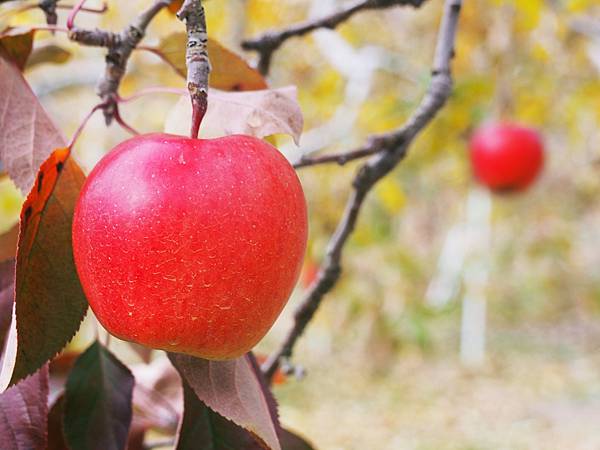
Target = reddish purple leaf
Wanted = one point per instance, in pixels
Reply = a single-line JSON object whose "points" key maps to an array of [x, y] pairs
{"points": [[157, 395], [27, 135], [145, 353], [233, 390], [137, 435], [23, 414], [203, 429], [7, 296], [98, 402], [291, 441], [266, 391], [56, 436]]}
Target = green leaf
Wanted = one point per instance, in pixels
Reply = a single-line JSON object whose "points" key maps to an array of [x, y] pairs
{"points": [[98, 397]]}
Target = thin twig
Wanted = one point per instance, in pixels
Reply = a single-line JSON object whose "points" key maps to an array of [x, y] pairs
{"points": [[372, 147], [269, 42], [47, 6], [396, 145], [74, 11], [196, 60], [24, 8], [89, 9], [41, 27], [83, 124], [151, 91]]}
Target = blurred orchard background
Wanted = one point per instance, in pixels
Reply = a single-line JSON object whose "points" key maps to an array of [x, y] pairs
{"points": [[393, 360]]}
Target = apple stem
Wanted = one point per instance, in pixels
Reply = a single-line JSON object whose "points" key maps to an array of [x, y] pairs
{"points": [[198, 64], [199, 108]]}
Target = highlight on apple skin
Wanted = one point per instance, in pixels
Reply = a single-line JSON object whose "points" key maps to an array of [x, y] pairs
{"points": [[189, 245], [506, 157]]}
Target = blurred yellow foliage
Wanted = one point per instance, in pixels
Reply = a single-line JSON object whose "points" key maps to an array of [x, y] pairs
{"points": [[10, 204], [391, 196]]}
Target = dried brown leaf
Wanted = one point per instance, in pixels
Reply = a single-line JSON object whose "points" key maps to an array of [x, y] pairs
{"points": [[257, 113], [229, 71], [27, 135]]}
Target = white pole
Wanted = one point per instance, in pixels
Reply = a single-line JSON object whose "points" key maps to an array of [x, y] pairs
{"points": [[473, 323]]}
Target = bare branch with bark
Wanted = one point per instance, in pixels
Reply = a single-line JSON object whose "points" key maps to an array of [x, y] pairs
{"points": [[391, 148], [120, 46], [269, 42]]}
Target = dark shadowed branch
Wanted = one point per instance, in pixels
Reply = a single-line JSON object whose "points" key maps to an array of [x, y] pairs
{"points": [[269, 42], [391, 148]]}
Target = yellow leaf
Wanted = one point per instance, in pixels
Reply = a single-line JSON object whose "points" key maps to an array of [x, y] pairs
{"points": [[229, 71]]}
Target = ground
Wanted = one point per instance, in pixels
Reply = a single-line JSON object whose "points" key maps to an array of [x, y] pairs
{"points": [[540, 389]]}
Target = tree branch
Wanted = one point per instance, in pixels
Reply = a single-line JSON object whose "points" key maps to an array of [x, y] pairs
{"points": [[394, 147], [49, 8], [120, 46], [196, 60], [269, 42]]}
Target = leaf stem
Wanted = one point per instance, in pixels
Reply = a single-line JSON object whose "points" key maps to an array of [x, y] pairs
{"points": [[83, 123]]}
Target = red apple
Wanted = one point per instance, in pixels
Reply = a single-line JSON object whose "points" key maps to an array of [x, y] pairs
{"points": [[506, 156], [190, 246]]}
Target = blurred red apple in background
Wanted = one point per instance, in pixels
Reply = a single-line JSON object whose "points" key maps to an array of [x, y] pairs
{"points": [[506, 156]]}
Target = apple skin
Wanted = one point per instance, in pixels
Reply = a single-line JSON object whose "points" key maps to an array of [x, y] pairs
{"points": [[506, 157], [190, 246]]}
